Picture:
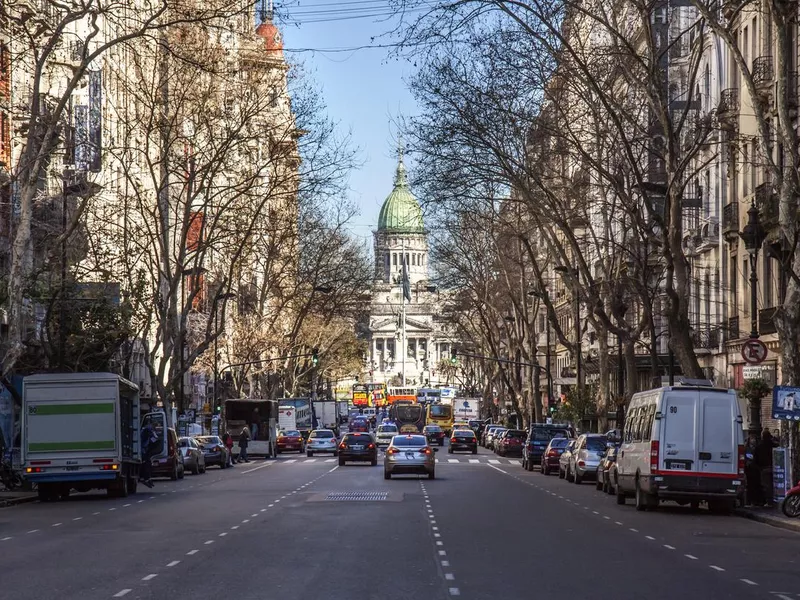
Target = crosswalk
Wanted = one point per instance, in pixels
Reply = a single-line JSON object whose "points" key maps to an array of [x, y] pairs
{"points": [[462, 460]]}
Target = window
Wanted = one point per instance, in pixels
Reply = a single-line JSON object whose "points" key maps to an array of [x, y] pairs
{"points": [[746, 167], [707, 286], [394, 259], [659, 16], [734, 283], [647, 421], [745, 277], [411, 440], [746, 45], [767, 278]]}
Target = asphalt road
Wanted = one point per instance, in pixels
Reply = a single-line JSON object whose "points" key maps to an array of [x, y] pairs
{"points": [[291, 529]]}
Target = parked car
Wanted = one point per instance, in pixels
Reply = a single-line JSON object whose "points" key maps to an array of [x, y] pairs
{"points": [[171, 464], [511, 443], [322, 440], [193, 457], [214, 450], [539, 436], [589, 449], [463, 439], [564, 461], [409, 454], [434, 434], [605, 471], [552, 454], [487, 434], [289, 441], [497, 439], [358, 447], [492, 436], [684, 443], [385, 433]]}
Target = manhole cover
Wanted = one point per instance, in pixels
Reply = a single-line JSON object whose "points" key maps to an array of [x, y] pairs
{"points": [[357, 496]]}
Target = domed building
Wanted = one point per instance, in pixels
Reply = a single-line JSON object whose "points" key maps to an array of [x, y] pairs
{"points": [[406, 336]]}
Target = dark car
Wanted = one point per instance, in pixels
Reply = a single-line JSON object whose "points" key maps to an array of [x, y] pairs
{"points": [[359, 425], [214, 450], [290, 441], [511, 443], [463, 439], [171, 464], [434, 434], [358, 447], [539, 437], [551, 455], [605, 470]]}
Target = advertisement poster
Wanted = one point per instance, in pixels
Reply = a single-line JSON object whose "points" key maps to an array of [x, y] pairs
{"points": [[779, 473], [786, 403]]}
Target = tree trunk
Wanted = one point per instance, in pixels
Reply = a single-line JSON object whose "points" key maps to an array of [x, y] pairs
{"points": [[536, 388], [604, 390]]}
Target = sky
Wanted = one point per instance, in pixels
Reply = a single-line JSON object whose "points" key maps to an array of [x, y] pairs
{"points": [[365, 90]]}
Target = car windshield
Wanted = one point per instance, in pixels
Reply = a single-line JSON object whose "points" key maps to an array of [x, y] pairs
{"points": [[290, 433], [321, 434], [210, 439], [596, 444], [559, 443], [387, 429], [433, 428], [516, 433], [409, 440], [465, 433]]}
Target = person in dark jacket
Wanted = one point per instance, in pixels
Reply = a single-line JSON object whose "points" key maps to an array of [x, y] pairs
{"points": [[763, 458], [244, 438], [754, 493]]}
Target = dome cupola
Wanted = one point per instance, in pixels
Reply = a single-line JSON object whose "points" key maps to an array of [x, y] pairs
{"points": [[401, 213]]}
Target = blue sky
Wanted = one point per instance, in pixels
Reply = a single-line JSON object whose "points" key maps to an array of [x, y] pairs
{"points": [[364, 90]]}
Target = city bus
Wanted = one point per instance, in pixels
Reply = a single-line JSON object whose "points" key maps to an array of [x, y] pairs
{"points": [[441, 415], [361, 395], [409, 418], [428, 395], [402, 394], [377, 393]]}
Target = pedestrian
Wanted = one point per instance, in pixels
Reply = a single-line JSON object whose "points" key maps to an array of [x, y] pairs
{"points": [[763, 458], [753, 492], [227, 439], [244, 438], [148, 442], [255, 421]]}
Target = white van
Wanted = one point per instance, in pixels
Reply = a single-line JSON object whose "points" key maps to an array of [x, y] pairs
{"points": [[682, 443]]}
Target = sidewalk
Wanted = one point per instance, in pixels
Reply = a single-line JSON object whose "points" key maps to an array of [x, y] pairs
{"points": [[770, 516], [16, 497]]}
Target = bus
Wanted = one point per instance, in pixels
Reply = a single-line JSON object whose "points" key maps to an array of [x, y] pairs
{"points": [[377, 393], [404, 394], [409, 418], [361, 395], [441, 415], [428, 395]]}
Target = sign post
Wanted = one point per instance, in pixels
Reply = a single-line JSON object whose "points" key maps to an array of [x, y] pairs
{"points": [[754, 351]]}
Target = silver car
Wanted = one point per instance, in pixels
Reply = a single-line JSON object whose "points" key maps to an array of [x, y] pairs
{"points": [[409, 454], [385, 433], [322, 440], [493, 434], [589, 450]]}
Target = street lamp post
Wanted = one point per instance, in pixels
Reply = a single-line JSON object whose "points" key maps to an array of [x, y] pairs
{"points": [[753, 235], [578, 334]]}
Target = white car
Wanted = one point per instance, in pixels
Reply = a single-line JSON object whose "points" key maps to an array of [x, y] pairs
{"points": [[322, 440], [384, 435]]}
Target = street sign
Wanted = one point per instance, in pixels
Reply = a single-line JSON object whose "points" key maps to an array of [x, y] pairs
{"points": [[754, 351], [751, 372]]}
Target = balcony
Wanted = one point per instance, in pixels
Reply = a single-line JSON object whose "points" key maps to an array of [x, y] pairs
{"points": [[732, 331], [763, 75], [728, 108], [730, 222], [768, 206], [707, 339], [766, 321]]}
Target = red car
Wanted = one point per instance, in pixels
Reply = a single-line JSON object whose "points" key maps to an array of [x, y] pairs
{"points": [[290, 441], [511, 443], [359, 426], [552, 454]]}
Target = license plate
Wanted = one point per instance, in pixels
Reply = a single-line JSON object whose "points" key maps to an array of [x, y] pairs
{"points": [[678, 466], [357, 447], [409, 455], [71, 468]]}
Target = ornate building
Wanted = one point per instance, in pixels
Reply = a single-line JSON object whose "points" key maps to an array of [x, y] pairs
{"points": [[399, 353]]}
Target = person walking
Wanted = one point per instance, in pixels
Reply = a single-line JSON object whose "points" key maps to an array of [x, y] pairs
{"points": [[244, 438], [753, 492], [227, 439], [148, 442], [763, 458]]}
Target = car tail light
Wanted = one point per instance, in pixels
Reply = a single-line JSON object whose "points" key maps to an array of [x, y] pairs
{"points": [[741, 460], [552, 453], [342, 446], [392, 451], [370, 447], [581, 463], [425, 451], [653, 456]]}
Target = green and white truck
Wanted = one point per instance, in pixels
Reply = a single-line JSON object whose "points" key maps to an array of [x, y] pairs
{"points": [[82, 431]]}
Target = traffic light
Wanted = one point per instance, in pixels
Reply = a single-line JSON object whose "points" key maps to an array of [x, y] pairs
{"points": [[219, 409], [453, 357], [314, 357]]}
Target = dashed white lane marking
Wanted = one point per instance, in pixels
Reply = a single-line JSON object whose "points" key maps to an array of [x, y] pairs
{"points": [[245, 520], [57, 524], [77, 518], [126, 505], [139, 501], [110, 509], [235, 527], [121, 593], [668, 547], [442, 553], [435, 528], [209, 542], [716, 568], [494, 462], [650, 537], [748, 582], [149, 577], [449, 576], [257, 468], [254, 515], [606, 518], [278, 500], [781, 596], [440, 543], [223, 534], [617, 523], [174, 563], [474, 460], [192, 552], [454, 592], [594, 512], [5, 539], [95, 514], [438, 535], [633, 530], [271, 505], [690, 557], [263, 510]]}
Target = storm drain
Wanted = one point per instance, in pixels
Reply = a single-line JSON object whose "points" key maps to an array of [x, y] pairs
{"points": [[357, 496]]}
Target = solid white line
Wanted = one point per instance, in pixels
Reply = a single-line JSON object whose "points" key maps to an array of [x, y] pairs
{"points": [[121, 593], [149, 577], [454, 592], [748, 582], [174, 563], [449, 576], [257, 468], [716, 568], [493, 461], [331, 471], [689, 556], [501, 470], [192, 552]]}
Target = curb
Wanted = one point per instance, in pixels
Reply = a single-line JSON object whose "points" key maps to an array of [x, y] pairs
{"points": [[778, 522], [14, 501]]}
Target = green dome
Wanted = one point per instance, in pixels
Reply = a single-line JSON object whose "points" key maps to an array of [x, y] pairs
{"points": [[401, 213]]}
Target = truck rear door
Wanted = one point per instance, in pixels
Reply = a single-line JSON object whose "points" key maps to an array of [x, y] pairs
{"points": [[158, 419], [71, 428], [679, 428], [718, 450]]}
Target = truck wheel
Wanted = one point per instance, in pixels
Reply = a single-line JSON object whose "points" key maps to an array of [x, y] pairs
{"points": [[309, 454], [133, 483], [174, 475], [45, 492]]}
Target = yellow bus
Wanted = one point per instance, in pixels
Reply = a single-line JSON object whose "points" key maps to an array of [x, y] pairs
{"points": [[441, 415]]}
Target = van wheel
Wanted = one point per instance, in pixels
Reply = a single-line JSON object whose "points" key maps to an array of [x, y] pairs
{"points": [[560, 473], [545, 470], [174, 475], [620, 494], [645, 501], [599, 485], [577, 478]]}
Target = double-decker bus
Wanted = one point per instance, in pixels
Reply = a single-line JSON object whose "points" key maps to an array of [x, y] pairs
{"points": [[409, 418], [401, 394], [377, 393], [441, 415], [361, 395]]}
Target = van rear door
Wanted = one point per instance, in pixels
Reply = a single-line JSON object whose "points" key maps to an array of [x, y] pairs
{"points": [[717, 446], [679, 427]]}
